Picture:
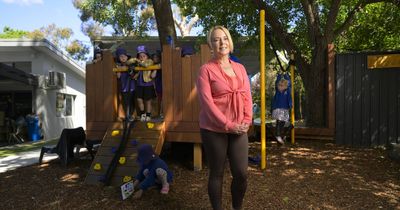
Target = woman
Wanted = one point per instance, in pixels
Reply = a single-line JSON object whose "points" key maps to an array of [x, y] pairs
{"points": [[225, 116]]}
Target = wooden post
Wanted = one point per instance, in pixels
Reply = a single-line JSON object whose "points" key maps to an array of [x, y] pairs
{"points": [[197, 157], [331, 87]]}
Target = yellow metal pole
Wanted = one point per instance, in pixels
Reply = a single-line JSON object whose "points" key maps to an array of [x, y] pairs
{"points": [[262, 79], [292, 93]]}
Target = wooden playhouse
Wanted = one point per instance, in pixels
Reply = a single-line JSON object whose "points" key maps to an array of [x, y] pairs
{"points": [[181, 110], [180, 113]]}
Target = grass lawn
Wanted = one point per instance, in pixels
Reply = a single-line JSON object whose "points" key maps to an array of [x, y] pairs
{"points": [[25, 147]]}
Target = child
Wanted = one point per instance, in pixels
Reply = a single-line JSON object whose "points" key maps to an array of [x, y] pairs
{"points": [[281, 104], [158, 83], [127, 82], [153, 171], [98, 55], [145, 84]]}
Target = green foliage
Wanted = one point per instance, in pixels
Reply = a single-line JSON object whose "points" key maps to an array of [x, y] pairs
{"points": [[9, 33], [92, 29], [377, 28], [126, 17], [378, 19], [77, 50], [60, 37]]}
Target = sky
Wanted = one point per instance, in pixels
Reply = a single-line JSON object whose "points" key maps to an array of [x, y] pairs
{"points": [[32, 14], [29, 15]]}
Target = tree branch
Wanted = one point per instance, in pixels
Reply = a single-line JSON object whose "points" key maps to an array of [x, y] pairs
{"points": [[359, 6], [331, 20], [312, 18], [281, 34], [192, 22], [277, 28]]}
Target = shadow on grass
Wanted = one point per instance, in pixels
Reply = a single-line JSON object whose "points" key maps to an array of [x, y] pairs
{"points": [[25, 147]]}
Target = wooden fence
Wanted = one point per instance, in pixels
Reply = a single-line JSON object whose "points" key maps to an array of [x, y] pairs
{"points": [[101, 97], [367, 99], [180, 101]]}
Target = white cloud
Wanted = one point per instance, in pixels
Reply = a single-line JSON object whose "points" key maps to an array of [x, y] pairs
{"points": [[23, 2]]}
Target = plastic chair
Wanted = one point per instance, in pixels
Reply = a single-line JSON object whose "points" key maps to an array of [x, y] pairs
{"points": [[14, 131]]}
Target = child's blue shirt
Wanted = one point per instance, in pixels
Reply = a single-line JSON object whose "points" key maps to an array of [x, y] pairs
{"points": [[282, 100], [150, 180]]}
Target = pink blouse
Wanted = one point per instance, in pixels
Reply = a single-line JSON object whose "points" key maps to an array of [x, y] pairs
{"points": [[224, 100]]}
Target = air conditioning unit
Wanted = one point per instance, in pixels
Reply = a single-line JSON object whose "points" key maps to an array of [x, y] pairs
{"points": [[56, 80]]}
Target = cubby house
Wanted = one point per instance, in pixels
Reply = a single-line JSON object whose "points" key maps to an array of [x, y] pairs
{"points": [[181, 110]]}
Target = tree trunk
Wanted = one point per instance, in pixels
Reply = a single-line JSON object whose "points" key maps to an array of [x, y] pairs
{"points": [[165, 20], [315, 87]]}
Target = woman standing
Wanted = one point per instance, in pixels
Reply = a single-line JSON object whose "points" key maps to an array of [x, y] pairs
{"points": [[225, 116]]}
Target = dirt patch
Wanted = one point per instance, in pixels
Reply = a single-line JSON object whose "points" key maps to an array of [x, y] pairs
{"points": [[307, 175]]}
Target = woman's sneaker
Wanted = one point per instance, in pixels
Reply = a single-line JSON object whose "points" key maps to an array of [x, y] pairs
{"points": [[165, 189]]}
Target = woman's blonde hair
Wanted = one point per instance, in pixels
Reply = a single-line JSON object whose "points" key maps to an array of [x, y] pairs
{"points": [[225, 30]]}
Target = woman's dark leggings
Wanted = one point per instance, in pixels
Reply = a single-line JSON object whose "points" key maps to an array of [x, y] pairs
{"points": [[217, 147]]}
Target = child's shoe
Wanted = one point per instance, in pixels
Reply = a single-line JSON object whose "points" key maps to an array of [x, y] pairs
{"points": [[148, 118], [280, 140], [131, 118], [143, 117], [165, 189]]}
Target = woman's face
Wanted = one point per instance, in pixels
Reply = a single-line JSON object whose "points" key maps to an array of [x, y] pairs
{"points": [[220, 43], [142, 56]]}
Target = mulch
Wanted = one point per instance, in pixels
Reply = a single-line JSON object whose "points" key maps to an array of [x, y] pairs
{"points": [[307, 175]]}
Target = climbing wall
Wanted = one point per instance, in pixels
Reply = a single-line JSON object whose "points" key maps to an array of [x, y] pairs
{"points": [[142, 133]]}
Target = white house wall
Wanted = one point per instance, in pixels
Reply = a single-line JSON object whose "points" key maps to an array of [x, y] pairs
{"points": [[45, 99]]}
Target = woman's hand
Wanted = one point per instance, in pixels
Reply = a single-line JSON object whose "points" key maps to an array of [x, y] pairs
{"points": [[244, 127], [240, 128]]}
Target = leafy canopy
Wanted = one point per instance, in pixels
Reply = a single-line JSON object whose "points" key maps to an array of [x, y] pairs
{"points": [[242, 18], [60, 37], [126, 17], [9, 33]]}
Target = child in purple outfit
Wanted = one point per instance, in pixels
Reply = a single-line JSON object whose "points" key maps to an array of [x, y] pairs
{"points": [[145, 84], [127, 82], [153, 171]]}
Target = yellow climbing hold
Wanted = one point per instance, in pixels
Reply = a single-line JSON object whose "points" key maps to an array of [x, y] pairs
{"points": [[127, 178], [97, 167], [122, 160], [150, 125], [115, 133]]}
